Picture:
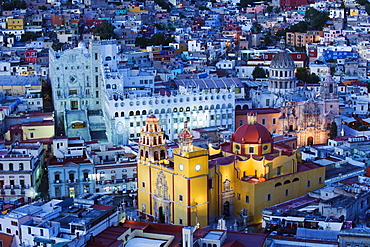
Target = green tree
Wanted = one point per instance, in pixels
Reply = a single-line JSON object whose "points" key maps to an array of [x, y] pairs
{"points": [[281, 33], [362, 2], [258, 72], [301, 26], [57, 46], [43, 7], [28, 36], [304, 75], [14, 4], [105, 30], [268, 40], [160, 39], [333, 130], [141, 41], [367, 8], [316, 19]]}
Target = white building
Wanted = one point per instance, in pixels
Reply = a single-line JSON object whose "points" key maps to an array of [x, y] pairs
{"points": [[22, 169]]}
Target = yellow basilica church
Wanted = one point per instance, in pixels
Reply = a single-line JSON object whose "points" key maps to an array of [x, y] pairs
{"points": [[238, 178]]}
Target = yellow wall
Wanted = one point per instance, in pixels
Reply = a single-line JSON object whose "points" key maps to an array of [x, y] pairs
{"points": [[15, 23], [46, 131], [353, 12], [137, 9]]}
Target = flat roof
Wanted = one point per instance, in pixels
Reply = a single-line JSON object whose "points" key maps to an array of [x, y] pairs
{"points": [[142, 242]]}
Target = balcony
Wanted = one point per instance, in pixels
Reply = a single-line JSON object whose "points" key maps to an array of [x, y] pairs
{"points": [[86, 180], [72, 181], [57, 181]]}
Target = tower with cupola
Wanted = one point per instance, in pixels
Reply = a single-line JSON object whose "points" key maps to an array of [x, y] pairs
{"points": [[191, 188], [152, 146]]}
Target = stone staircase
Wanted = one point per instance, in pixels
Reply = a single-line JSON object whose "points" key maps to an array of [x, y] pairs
{"points": [[77, 115]]}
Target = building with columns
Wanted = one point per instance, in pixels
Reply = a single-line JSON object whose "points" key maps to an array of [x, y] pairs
{"points": [[238, 178], [305, 113]]}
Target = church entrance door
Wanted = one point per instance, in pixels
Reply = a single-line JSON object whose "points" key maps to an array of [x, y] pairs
{"points": [[227, 208], [310, 141], [161, 215]]}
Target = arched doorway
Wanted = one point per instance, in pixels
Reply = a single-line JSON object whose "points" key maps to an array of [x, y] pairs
{"points": [[161, 215], [310, 141], [227, 208], [238, 107]]}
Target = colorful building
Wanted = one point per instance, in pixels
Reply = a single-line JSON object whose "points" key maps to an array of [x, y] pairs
{"points": [[238, 178]]}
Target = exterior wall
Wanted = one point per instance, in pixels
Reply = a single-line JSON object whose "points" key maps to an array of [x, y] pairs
{"points": [[22, 171], [269, 120], [66, 187], [37, 132], [15, 23], [127, 115], [75, 76], [116, 178]]}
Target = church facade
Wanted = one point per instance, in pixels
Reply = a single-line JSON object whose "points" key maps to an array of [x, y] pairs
{"points": [[304, 113], [239, 178]]}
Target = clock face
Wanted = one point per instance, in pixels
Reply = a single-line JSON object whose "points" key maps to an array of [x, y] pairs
{"points": [[198, 167], [265, 147], [181, 167], [119, 128], [73, 79]]}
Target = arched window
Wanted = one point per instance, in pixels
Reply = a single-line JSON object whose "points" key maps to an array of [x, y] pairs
{"points": [[156, 111], [11, 166], [108, 86], [200, 108], [116, 114], [169, 110], [194, 108], [143, 113], [181, 109], [122, 114], [287, 182], [278, 184], [163, 111], [218, 106], [206, 107], [188, 108], [137, 112], [295, 180], [174, 109], [212, 107], [131, 113]]}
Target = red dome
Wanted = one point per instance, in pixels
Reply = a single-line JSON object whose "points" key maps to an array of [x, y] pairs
{"points": [[252, 133]]}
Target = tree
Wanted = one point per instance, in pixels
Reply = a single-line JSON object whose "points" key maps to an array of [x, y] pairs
{"points": [[304, 75], [43, 7], [105, 30], [316, 19], [268, 40], [14, 4], [301, 26], [28, 36], [269, 9], [258, 72], [367, 8], [141, 41], [333, 130], [362, 2]]}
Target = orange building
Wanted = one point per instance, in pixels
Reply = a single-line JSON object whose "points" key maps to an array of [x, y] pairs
{"points": [[268, 117]]}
